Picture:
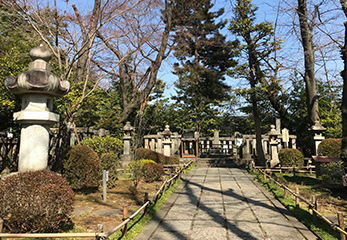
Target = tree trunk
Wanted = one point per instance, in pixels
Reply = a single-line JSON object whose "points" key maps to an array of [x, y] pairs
{"points": [[254, 78], [309, 76], [344, 94]]}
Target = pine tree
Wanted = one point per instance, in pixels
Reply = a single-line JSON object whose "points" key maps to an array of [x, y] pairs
{"points": [[204, 56]]}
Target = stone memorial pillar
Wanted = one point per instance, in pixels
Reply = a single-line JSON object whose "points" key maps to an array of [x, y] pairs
{"points": [[278, 125], [167, 141], [146, 143], [126, 157], [159, 145], [285, 137], [38, 86], [216, 138], [273, 135], [246, 152]]}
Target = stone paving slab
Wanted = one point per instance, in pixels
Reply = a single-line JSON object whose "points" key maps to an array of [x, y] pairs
{"points": [[78, 211], [223, 203]]}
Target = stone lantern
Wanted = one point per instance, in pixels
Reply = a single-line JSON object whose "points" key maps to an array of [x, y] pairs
{"points": [[317, 130], [127, 129], [126, 157], [37, 86], [167, 140], [273, 135]]}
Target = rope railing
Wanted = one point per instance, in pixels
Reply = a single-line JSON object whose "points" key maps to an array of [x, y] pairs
{"points": [[313, 206], [99, 234]]}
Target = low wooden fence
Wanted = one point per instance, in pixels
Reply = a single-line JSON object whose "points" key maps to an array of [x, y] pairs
{"points": [[99, 234], [313, 205], [307, 169]]}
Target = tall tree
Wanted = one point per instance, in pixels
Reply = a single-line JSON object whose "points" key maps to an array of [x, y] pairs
{"points": [[309, 60], [137, 56], [204, 57], [344, 94], [257, 43]]}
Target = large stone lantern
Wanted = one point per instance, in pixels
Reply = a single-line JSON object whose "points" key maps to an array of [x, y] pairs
{"points": [[127, 129], [126, 157], [37, 86], [317, 130]]}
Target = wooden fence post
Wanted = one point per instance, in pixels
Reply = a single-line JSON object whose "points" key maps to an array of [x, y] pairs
{"points": [[277, 180], [341, 225], [125, 216], [314, 214], [170, 183], [146, 200], [164, 183], [285, 193], [270, 178], [297, 199], [264, 175]]}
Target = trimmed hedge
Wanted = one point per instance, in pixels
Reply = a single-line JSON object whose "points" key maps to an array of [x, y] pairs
{"points": [[136, 169], [144, 153], [330, 147], [38, 201], [82, 168], [290, 157], [152, 172]]}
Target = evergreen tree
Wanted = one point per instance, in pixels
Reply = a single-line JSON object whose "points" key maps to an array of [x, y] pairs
{"points": [[204, 56], [256, 44]]}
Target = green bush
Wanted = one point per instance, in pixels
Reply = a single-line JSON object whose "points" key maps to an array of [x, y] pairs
{"points": [[332, 171], [136, 169], [108, 149], [330, 147], [106, 144], [38, 201], [144, 153], [82, 168], [290, 157], [152, 172]]}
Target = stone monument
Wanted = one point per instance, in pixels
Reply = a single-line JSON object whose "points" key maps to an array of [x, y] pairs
{"points": [[273, 135], [37, 86], [167, 140]]}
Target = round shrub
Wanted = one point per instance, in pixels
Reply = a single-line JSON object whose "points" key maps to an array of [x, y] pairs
{"points": [[82, 168], [290, 157], [152, 172], [330, 147], [108, 149], [144, 153], [110, 161], [38, 201], [136, 169]]}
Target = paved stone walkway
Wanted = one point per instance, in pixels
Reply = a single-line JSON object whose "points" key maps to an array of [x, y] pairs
{"points": [[223, 203]]}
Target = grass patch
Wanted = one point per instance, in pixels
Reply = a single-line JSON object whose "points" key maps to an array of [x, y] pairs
{"points": [[137, 225], [321, 228]]}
